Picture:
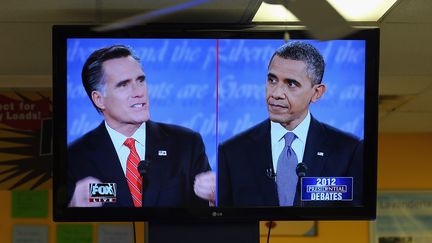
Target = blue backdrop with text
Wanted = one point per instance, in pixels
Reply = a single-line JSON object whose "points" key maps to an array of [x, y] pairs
{"points": [[182, 76]]}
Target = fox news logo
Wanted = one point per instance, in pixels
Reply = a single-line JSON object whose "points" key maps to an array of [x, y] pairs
{"points": [[103, 192]]}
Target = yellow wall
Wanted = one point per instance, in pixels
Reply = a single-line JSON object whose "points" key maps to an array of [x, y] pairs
{"points": [[403, 163]]}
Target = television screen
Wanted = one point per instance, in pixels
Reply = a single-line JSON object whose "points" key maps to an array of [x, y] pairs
{"points": [[195, 122]]}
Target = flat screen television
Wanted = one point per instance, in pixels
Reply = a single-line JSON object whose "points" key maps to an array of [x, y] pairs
{"points": [[217, 85]]}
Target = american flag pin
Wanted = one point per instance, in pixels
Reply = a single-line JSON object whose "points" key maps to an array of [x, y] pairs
{"points": [[320, 153], [162, 153]]}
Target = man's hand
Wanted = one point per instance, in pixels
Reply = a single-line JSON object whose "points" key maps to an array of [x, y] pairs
{"points": [[205, 186], [81, 195]]}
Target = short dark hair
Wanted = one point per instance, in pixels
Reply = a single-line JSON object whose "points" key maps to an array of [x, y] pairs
{"points": [[305, 52], [92, 73]]}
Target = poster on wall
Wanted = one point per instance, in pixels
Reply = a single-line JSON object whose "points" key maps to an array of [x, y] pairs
{"points": [[30, 233], [403, 217], [25, 138]]}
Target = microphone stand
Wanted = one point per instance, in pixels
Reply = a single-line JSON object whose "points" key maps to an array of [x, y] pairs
{"points": [[143, 168], [301, 170]]}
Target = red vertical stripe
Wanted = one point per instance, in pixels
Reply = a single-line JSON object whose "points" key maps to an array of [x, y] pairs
{"points": [[217, 113]]}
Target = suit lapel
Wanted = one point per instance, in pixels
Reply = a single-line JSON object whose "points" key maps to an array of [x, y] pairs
{"points": [[316, 150], [315, 154], [260, 139], [109, 166], [157, 151]]}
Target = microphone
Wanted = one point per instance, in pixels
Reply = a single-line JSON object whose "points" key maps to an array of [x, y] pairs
{"points": [[270, 173], [301, 169], [143, 169]]}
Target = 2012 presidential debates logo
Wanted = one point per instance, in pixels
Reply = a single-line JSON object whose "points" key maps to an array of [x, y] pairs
{"points": [[326, 189], [103, 192]]}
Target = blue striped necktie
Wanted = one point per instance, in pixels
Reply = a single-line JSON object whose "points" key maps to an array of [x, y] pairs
{"points": [[286, 177]]}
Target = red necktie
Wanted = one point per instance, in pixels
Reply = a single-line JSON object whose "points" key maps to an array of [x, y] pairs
{"points": [[132, 175]]}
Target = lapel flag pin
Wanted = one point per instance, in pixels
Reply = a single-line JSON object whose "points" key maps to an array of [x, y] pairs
{"points": [[162, 153], [320, 153]]}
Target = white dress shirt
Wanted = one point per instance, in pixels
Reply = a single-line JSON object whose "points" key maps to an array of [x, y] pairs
{"points": [[118, 140], [277, 132]]}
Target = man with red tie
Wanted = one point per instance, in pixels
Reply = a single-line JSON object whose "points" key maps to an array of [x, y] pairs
{"points": [[116, 84]]}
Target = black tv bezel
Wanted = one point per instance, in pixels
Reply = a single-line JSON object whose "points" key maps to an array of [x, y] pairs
{"points": [[62, 213]]}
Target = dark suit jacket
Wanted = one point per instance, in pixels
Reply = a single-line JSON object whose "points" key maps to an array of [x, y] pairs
{"points": [[170, 178], [244, 162]]}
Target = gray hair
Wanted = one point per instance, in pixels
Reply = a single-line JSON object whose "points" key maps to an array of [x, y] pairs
{"points": [[302, 51], [92, 72]]}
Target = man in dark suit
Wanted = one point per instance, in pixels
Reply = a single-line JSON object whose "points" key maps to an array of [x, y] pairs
{"points": [[252, 166], [115, 82]]}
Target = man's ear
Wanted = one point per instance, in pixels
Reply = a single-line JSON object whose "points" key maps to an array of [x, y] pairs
{"points": [[98, 99], [319, 91]]}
